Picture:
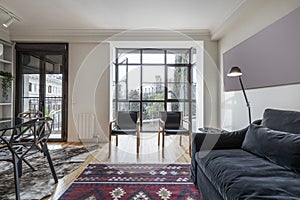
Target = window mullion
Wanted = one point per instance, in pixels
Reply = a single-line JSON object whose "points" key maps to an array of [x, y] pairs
{"points": [[166, 80]]}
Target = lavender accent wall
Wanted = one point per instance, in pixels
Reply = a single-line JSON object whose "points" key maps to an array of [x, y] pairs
{"points": [[269, 58]]}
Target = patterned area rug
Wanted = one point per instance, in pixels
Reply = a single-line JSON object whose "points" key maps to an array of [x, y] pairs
{"points": [[133, 181], [40, 184]]}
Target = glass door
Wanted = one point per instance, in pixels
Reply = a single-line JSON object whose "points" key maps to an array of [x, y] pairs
{"points": [[41, 87]]}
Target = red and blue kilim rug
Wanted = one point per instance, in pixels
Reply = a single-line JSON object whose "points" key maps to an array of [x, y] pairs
{"points": [[133, 181]]}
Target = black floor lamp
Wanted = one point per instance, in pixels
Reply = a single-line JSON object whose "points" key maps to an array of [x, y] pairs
{"points": [[235, 71]]}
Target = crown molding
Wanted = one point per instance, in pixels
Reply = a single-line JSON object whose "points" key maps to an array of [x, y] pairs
{"points": [[218, 31], [97, 35]]}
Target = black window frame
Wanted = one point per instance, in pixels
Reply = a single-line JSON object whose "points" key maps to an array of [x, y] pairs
{"points": [[124, 62]]}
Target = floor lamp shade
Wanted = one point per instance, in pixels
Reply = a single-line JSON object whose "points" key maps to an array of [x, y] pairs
{"points": [[234, 71]]}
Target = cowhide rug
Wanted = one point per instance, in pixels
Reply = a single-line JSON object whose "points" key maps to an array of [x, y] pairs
{"points": [[40, 184]]}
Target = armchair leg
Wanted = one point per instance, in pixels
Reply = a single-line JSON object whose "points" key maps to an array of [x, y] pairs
{"points": [[190, 145], [109, 145], [158, 141], [137, 144], [180, 140], [163, 145], [20, 168], [16, 177], [46, 151], [28, 164]]}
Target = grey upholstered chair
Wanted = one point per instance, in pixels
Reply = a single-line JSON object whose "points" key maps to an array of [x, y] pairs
{"points": [[171, 123], [126, 123]]}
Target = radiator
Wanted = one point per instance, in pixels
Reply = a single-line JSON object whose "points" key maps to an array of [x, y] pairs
{"points": [[86, 125]]}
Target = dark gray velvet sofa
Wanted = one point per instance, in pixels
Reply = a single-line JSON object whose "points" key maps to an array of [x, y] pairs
{"points": [[261, 161]]}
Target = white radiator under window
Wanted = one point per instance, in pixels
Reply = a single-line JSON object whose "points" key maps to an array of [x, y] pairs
{"points": [[86, 125]]}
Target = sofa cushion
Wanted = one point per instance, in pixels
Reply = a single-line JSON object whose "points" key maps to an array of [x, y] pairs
{"points": [[282, 120], [238, 174], [282, 148]]}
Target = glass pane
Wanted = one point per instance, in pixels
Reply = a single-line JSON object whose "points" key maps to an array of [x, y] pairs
{"points": [[151, 115], [194, 91], [128, 106], [31, 65], [30, 103], [194, 110], [194, 82], [194, 56], [122, 84], [177, 91], [134, 80], [178, 74], [178, 56], [153, 56], [134, 106], [123, 106], [194, 120], [178, 107], [114, 110], [153, 82], [53, 100], [53, 85], [133, 56], [53, 109], [114, 82], [31, 83], [53, 64], [53, 91]]}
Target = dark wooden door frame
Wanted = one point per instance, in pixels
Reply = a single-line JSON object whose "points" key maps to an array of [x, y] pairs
{"points": [[43, 49]]}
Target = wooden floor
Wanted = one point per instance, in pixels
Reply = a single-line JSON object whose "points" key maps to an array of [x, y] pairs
{"points": [[150, 152]]}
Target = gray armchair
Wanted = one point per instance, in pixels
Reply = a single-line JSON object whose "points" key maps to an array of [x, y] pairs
{"points": [[171, 123], [126, 123]]}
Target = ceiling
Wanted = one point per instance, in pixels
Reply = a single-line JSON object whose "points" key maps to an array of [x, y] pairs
{"points": [[46, 15]]}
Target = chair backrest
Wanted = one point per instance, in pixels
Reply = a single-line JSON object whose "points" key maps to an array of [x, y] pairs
{"points": [[44, 127], [127, 119], [24, 131], [172, 119], [18, 139]]}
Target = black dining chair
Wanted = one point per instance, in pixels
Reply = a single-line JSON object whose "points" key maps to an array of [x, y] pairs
{"points": [[126, 123], [171, 123], [20, 142]]}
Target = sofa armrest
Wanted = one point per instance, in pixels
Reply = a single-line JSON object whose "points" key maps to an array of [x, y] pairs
{"points": [[223, 140]]}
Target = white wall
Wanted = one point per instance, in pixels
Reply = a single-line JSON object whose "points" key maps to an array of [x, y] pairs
{"points": [[211, 84], [88, 87], [253, 16], [77, 54]]}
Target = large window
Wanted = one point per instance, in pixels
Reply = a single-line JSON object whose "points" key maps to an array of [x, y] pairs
{"points": [[154, 80]]}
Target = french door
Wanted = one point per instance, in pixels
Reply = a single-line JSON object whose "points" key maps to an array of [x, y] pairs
{"points": [[41, 83]]}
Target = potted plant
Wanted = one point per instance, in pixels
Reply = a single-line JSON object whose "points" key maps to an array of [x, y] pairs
{"points": [[6, 83]]}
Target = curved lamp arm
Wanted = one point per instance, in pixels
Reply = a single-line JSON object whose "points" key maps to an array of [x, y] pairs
{"points": [[246, 99]]}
